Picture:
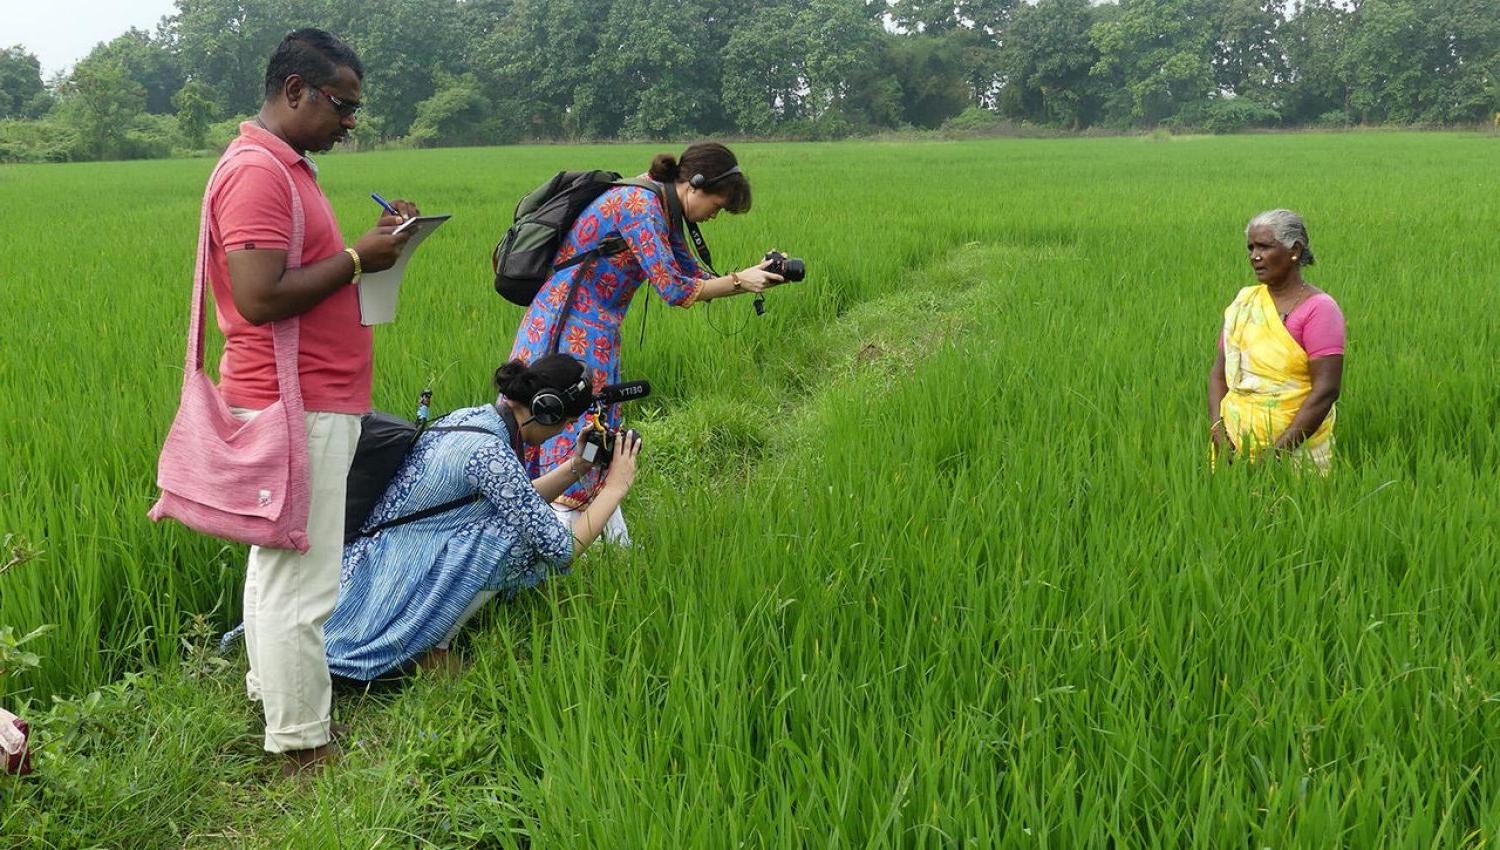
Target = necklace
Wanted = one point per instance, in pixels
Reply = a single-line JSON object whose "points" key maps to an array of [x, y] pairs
{"points": [[1302, 293]]}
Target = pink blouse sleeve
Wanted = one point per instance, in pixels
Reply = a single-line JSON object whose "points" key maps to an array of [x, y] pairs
{"points": [[1323, 330]]}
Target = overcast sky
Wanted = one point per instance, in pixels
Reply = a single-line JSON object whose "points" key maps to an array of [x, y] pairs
{"points": [[60, 32]]}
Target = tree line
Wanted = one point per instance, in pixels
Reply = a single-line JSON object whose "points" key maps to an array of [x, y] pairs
{"points": [[460, 72]]}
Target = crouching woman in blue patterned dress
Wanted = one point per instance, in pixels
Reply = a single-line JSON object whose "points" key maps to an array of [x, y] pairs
{"points": [[404, 591]]}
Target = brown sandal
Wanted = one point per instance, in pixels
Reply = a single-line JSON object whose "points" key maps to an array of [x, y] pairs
{"points": [[310, 760]]}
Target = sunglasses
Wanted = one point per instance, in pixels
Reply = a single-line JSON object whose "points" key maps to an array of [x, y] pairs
{"points": [[344, 108]]}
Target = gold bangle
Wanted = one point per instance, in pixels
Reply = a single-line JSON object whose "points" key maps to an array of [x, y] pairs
{"points": [[734, 277], [354, 255]]}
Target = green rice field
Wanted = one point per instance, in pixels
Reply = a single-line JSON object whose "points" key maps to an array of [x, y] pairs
{"points": [[927, 556]]}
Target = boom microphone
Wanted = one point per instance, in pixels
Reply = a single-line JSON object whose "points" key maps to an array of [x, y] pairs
{"points": [[626, 391]]}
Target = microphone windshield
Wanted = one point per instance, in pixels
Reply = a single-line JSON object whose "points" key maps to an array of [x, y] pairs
{"points": [[626, 391]]}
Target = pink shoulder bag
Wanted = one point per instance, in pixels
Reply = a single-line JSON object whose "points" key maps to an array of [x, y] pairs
{"points": [[245, 481]]}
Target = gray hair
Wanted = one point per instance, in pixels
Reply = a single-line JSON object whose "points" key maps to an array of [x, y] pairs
{"points": [[1288, 228]]}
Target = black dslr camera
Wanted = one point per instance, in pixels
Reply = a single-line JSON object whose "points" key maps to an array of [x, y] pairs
{"points": [[791, 269], [598, 440]]}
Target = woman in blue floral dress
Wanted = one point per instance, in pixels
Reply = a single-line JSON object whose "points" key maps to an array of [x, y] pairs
{"points": [[405, 590], [580, 309]]}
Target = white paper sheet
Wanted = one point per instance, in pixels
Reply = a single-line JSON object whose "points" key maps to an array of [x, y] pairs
{"points": [[378, 290]]}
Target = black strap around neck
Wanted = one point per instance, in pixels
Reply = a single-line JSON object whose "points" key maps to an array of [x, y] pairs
{"points": [[509, 418], [677, 220]]}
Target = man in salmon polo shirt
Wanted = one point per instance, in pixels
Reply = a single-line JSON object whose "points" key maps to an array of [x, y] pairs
{"points": [[312, 95]]}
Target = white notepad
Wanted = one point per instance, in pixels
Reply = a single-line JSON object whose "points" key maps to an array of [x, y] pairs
{"points": [[378, 290]]}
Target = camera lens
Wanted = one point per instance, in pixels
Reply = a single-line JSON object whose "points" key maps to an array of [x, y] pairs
{"points": [[793, 270]]}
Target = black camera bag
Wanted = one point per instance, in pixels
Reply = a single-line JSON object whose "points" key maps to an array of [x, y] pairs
{"points": [[384, 441]]}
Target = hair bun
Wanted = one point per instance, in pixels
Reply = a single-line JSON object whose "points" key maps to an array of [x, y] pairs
{"points": [[509, 377], [664, 168]]}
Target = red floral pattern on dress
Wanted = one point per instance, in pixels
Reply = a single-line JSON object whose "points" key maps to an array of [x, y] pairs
{"points": [[606, 283], [587, 228], [604, 349], [578, 341], [584, 303]]}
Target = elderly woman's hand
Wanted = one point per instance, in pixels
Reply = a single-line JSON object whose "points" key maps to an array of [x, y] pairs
{"points": [[621, 473], [1223, 446]]}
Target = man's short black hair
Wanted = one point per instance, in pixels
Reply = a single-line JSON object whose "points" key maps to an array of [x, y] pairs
{"points": [[314, 55]]}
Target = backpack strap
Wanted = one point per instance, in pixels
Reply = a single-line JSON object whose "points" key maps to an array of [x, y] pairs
{"points": [[440, 508], [443, 507], [608, 246]]}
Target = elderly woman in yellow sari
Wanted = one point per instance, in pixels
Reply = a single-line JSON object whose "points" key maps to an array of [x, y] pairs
{"points": [[1274, 382]]}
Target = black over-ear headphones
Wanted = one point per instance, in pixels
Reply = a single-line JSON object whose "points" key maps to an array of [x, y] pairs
{"points": [[550, 406], [698, 181]]}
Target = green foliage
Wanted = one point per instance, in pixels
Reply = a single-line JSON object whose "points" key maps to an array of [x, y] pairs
{"points": [[151, 137], [655, 73], [407, 47], [221, 133], [931, 75], [1157, 56], [1226, 115], [195, 109], [973, 120], [15, 552], [647, 69], [1248, 58], [1047, 60], [13, 659], [37, 141], [837, 38], [104, 779], [103, 102], [149, 62], [766, 89], [21, 92], [1333, 118], [1315, 39], [820, 70], [456, 114], [1428, 62], [224, 44], [531, 57]]}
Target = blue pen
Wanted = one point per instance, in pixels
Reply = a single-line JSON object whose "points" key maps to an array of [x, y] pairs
{"points": [[387, 204]]}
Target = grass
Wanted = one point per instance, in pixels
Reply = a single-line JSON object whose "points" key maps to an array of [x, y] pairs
{"points": [[926, 556]]}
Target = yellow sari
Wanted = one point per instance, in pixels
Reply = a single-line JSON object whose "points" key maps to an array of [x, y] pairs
{"points": [[1268, 377]]}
